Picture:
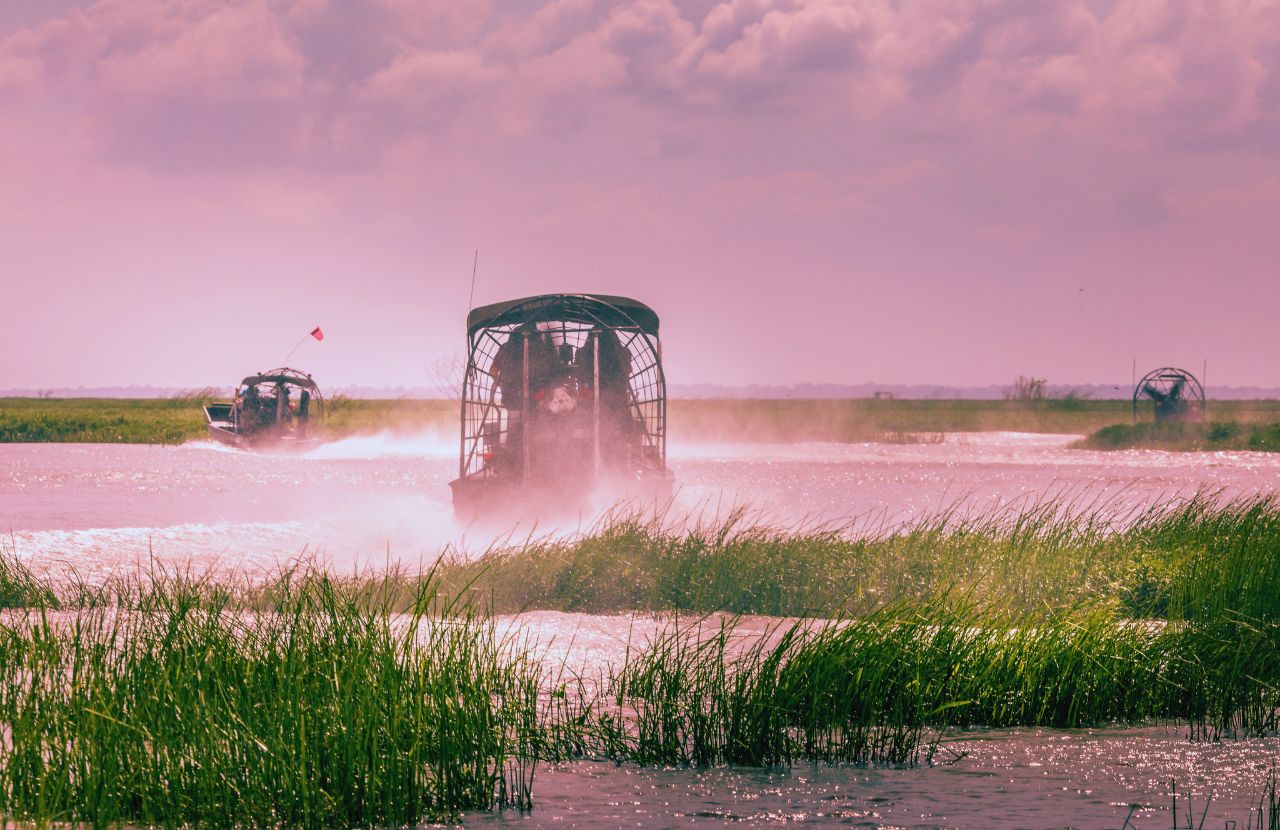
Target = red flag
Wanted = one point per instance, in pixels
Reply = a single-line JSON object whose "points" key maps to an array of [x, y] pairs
{"points": [[317, 334]]}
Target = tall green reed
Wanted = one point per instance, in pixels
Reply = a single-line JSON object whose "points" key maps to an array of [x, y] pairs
{"points": [[881, 687], [1173, 560], [19, 586], [324, 708]]}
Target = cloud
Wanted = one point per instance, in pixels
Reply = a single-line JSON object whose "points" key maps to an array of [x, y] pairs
{"points": [[236, 52], [346, 43], [819, 36], [431, 76], [275, 80], [20, 75], [633, 50], [1194, 74]]}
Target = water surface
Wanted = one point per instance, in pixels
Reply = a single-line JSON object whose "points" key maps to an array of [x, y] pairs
{"points": [[96, 507]]}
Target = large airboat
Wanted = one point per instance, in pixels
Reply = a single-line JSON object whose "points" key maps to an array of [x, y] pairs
{"points": [[563, 400], [281, 409]]}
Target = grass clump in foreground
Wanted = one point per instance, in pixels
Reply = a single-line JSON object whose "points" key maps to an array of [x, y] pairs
{"points": [[886, 687], [178, 704], [1042, 617], [19, 587]]}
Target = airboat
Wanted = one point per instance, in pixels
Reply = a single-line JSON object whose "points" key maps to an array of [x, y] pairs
{"points": [[563, 401], [1173, 394], [279, 409]]}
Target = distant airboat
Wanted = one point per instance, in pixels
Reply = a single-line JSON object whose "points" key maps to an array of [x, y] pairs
{"points": [[563, 396], [278, 409], [1170, 395]]}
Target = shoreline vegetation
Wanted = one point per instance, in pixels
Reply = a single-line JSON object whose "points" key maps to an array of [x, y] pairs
{"points": [[1213, 436], [181, 419], [312, 700], [1235, 425]]}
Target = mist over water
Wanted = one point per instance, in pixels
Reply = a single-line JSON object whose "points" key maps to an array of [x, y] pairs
{"points": [[374, 499], [426, 444]]}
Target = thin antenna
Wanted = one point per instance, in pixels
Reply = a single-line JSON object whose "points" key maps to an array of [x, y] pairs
{"points": [[285, 362], [1204, 386], [471, 301], [1134, 385], [315, 332]]}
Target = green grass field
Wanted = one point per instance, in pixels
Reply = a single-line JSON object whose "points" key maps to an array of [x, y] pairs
{"points": [[164, 421], [880, 420], [175, 421]]}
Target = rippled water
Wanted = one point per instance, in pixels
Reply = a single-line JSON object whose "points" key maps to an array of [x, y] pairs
{"points": [[99, 508], [1029, 778]]}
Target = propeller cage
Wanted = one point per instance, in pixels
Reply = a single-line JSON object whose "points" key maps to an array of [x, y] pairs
{"points": [[1169, 394]]}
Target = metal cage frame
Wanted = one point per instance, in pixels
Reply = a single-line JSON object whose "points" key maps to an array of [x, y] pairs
{"points": [[574, 325], [296, 379], [1189, 405]]}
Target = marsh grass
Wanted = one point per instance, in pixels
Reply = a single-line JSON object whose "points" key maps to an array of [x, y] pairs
{"points": [[180, 419], [1215, 436], [310, 700], [886, 687], [180, 706], [172, 421], [349, 416], [1054, 615], [100, 420], [1179, 559], [19, 586], [1048, 615], [858, 420], [1237, 424]]}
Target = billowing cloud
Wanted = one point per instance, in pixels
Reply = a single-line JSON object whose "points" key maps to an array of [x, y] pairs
{"points": [[974, 155], [1193, 72], [776, 43]]}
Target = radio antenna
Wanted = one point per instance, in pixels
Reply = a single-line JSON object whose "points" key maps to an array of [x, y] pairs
{"points": [[471, 301]]}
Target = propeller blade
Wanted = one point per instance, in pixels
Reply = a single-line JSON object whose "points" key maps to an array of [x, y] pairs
{"points": [[1153, 393]]}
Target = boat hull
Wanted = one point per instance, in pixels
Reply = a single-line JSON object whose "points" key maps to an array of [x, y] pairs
{"points": [[228, 436], [266, 440]]}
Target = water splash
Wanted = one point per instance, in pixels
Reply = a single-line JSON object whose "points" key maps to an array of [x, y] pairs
{"points": [[425, 444]]}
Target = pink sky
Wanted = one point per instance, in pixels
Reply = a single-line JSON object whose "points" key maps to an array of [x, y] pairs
{"points": [[805, 190]]}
